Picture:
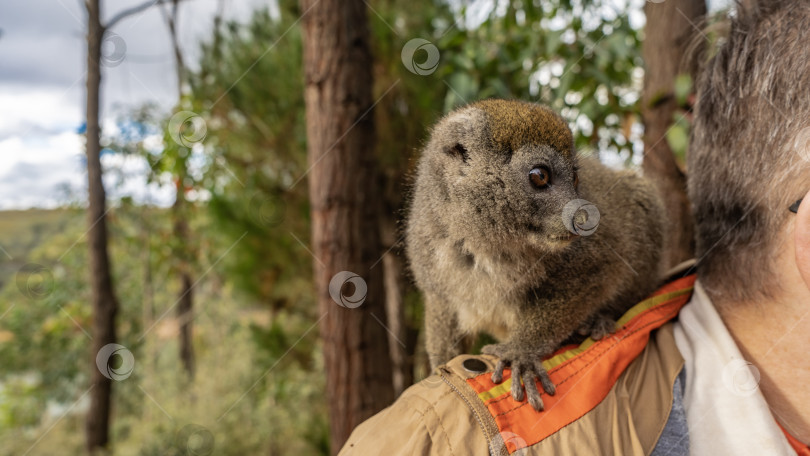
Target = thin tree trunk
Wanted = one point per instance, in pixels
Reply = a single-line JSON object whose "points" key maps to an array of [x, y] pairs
{"points": [[670, 28], [148, 282], [180, 67], [184, 317], [148, 304], [104, 302], [345, 209], [395, 285], [185, 305]]}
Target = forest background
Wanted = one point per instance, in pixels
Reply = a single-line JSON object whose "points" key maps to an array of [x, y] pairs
{"points": [[226, 338]]}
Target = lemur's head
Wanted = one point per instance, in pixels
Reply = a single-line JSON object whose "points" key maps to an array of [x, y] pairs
{"points": [[505, 172]]}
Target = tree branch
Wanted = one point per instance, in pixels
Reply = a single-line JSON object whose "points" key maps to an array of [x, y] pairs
{"points": [[134, 10], [130, 11]]}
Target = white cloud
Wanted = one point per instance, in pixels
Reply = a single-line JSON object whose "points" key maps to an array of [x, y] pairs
{"points": [[32, 169], [42, 93], [27, 111], [49, 170]]}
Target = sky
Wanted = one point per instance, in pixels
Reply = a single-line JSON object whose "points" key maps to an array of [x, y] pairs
{"points": [[42, 51], [42, 69]]}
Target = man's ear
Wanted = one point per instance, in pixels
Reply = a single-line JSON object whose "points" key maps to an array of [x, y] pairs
{"points": [[802, 239]]}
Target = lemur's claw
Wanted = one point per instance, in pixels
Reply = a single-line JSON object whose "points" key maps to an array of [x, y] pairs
{"points": [[527, 368]]}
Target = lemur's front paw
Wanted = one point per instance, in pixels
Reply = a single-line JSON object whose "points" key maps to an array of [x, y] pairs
{"points": [[598, 327], [527, 367]]}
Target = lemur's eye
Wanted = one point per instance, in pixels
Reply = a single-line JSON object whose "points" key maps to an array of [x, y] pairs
{"points": [[540, 177], [576, 179]]}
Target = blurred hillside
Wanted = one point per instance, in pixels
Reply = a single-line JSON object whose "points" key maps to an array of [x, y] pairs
{"points": [[22, 231], [237, 395]]}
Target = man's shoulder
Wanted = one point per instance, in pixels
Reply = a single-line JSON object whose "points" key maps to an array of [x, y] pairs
{"points": [[438, 415], [616, 391]]}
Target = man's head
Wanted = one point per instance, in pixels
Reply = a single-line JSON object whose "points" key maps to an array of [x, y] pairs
{"points": [[749, 158]]}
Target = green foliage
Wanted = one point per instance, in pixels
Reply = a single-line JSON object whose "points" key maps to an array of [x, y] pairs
{"points": [[22, 231], [683, 88], [582, 58], [249, 89], [678, 133], [41, 346], [265, 397], [260, 380], [678, 137]]}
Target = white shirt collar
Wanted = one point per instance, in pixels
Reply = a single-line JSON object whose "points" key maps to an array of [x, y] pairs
{"points": [[725, 410]]}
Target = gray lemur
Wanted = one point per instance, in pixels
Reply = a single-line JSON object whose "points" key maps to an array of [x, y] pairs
{"points": [[511, 233]]}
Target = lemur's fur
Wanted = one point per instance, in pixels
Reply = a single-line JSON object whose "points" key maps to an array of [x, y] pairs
{"points": [[491, 251]]}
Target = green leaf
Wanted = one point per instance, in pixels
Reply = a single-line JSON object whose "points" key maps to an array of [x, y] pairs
{"points": [[683, 87], [678, 139]]}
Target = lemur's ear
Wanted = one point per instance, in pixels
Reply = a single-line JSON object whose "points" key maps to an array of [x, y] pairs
{"points": [[461, 129], [802, 239], [458, 151]]}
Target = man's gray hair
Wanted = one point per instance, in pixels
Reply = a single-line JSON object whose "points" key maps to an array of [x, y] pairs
{"points": [[749, 157]]}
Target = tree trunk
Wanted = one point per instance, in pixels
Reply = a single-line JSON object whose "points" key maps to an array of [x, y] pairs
{"points": [[147, 368], [171, 23], [104, 302], [344, 207], [670, 28], [401, 340], [184, 318], [185, 305]]}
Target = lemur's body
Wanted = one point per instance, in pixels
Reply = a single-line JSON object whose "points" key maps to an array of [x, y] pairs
{"points": [[491, 243]]}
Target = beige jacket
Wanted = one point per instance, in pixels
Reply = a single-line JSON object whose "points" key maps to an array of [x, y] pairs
{"points": [[614, 396]]}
